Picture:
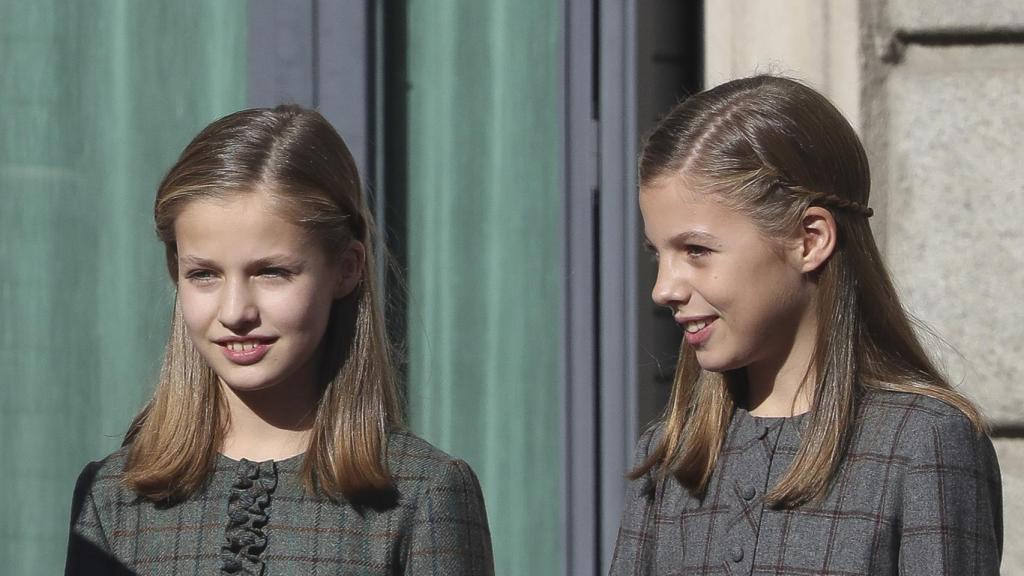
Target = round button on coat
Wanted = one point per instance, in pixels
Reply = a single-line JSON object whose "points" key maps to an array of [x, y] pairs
{"points": [[748, 493], [736, 554]]}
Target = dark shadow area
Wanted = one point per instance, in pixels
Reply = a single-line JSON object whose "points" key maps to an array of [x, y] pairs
{"points": [[84, 557], [378, 501], [393, 68]]}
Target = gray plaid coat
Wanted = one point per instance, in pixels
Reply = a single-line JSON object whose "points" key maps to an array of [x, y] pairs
{"points": [[918, 493], [256, 519]]}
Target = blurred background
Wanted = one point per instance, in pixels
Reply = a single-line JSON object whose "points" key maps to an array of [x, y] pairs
{"points": [[497, 140]]}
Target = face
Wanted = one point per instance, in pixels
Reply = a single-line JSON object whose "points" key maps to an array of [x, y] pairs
{"points": [[740, 297], [255, 291]]}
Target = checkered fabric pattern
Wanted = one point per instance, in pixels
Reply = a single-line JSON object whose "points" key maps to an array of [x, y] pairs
{"points": [[918, 493], [435, 523]]}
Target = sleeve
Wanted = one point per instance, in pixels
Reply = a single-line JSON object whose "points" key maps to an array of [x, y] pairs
{"points": [[634, 547], [88, 550], [451, 535], [952, 503]]}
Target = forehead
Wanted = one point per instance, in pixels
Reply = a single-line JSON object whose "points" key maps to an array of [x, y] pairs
{"points": [[675, 197], [672, 206], [677, 186], [242, 223]]}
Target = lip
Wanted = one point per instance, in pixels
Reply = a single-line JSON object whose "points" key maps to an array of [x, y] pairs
{"points": [[246, 357], [698, 338]]}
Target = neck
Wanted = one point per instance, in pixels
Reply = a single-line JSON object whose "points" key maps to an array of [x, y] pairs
{"points": [[783, 384], [270, 424]]}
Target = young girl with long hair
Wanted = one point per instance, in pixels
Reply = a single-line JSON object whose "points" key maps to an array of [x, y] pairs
{"points": [[807, 431], [274, 443]]}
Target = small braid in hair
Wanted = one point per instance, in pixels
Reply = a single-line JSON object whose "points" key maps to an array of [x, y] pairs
{"points": [[830, 200]]}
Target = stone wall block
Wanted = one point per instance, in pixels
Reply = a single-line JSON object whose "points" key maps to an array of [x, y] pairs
{"points": [[955, 198], [979, 15]]}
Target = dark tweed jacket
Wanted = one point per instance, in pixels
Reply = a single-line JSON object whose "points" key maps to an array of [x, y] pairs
{"points": [[256, 519], [918, 493]]}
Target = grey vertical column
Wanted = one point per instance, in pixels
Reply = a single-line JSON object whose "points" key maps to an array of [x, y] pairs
{"points": [[600, 320], [617, 240], [579, 319], [281, 49]]}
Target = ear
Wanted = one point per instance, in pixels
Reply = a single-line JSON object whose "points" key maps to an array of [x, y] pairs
{"points": [[351, 267], [817, 238]]}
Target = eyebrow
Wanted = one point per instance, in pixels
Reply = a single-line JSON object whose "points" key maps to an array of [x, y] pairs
{"points": [[688, 237], [278, 260], [196, 261], [267, 261]]}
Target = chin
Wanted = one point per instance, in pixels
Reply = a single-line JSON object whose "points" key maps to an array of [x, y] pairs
{"points": [[252, 383], [718, 365], [246, 387], [715, 369]]}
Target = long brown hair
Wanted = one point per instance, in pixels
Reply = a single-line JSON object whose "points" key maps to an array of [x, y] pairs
{"points": [[294, 155], [770, 147]]}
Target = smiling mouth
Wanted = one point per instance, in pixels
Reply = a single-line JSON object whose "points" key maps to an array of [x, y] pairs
{"points": [[697, 325], [246, 352], [694, 325], [242, 346], [697, 331]]}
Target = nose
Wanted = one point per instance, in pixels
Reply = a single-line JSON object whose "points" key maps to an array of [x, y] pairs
{"points": [[671, 289], [238, 310]]}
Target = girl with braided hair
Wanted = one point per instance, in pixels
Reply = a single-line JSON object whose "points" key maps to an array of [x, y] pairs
{"points": [[808, 432]]}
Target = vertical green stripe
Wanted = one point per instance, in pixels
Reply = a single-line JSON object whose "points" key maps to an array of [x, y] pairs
{"points": [[96, 100], [484, 257]]}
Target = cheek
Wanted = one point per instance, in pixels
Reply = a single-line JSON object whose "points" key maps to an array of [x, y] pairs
{"points": [[718, 288], [196, 309], [778, 296], [305, 310]]}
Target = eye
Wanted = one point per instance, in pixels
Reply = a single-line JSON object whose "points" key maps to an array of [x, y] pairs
{"points": [[277, 273], [200, 276], [651, 252], [697, 251]]}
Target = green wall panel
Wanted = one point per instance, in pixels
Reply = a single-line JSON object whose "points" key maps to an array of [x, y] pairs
{"points": [[96, 100], [484, 264]]}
